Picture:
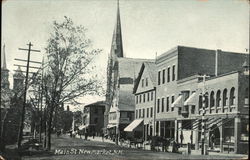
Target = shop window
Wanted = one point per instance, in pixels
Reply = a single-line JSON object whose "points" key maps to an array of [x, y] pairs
{"points": [[244, 136], [212, 100], [246, 99]]}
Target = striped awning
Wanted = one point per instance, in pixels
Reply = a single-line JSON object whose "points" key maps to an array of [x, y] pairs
{"points": [[133, 125], [191, 100], [177, 102]]}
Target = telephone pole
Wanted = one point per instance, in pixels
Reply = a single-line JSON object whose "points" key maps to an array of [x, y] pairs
{"points": [[20, 133]]}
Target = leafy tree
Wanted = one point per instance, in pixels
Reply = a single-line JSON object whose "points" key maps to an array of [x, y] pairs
{"points": [[69, 68]]}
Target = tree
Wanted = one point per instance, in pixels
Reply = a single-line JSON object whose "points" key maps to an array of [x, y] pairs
{"points": [[69, 68]]}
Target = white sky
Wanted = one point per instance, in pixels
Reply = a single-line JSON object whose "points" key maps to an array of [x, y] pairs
{"points": [[147, 26]]}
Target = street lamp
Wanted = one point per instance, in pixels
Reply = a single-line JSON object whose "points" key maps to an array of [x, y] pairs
{"points": [[203, 122]]}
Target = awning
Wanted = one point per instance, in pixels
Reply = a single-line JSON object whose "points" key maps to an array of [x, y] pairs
{"points": [[82, 127], [191, 100], [110, 125], [177, 102], [133, 125]]}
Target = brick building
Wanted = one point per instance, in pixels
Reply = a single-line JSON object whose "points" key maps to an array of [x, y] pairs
{"points": [[178, 104], [93, 118]]}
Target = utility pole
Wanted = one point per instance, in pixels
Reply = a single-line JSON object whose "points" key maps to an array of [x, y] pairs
{"points": [[203, 121], [20, 134]]}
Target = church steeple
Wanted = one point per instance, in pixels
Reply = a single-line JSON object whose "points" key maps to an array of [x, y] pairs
{"points": [[116, 47], [4, 71]]}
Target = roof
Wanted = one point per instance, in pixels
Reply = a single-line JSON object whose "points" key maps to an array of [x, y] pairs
{"points": [[128, 67], [98, 103], [152, 73]]}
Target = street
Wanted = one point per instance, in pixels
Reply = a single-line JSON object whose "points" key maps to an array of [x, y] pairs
{"points": [[65, 147]]}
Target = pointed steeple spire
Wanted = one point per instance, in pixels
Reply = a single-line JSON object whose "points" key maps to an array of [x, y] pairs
{"points": [[3, 59], [116, 46]]}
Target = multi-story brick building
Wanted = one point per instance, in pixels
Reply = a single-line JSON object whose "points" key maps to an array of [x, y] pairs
{"points": [[178, 104], [93, 118]]}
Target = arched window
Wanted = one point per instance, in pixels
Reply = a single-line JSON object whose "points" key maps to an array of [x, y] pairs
{"points": [[200, 102], [218, 99], [224, 97], [206, 100], [247, 97], [212, 99], [232, 96]]}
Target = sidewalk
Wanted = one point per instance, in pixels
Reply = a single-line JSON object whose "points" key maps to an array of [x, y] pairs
{"points": [[97, 139]]}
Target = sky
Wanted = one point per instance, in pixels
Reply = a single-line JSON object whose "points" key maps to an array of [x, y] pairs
{"points": [[147, 26]]}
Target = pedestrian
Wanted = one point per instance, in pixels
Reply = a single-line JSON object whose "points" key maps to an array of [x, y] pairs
{"points": [[93, 135], [86, 135]]}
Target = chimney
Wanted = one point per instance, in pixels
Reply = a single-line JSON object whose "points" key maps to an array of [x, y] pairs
{"points": [[216, 61]]}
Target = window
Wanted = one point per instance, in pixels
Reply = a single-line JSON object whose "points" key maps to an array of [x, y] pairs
{"points": [[151, 112], [136, 114], [159, 77], [224, 101], [148, 96], [143, 113], [152, 95], [173, 73], [140, 98], [218, 99], [232, 96], [168, 74], [246, 98], [158, 105], [162, 105], [139, 113], [146, 82], [163, 76], [167, 105], [172, 101], [193, 109], [200, 101], [136, 99], [142, 83], [144, 97], [147, 112], [206, 100], [212, 99]]}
